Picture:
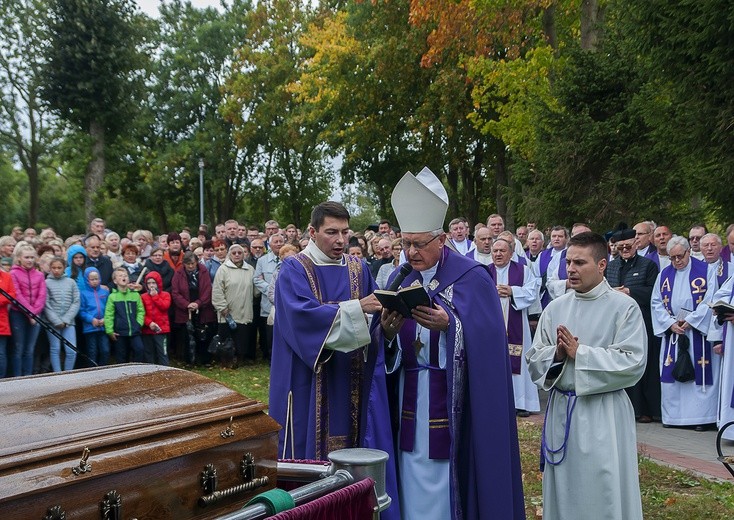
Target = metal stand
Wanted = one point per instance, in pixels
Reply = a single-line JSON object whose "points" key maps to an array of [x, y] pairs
{"points": [[726, 460], [347, 466]]}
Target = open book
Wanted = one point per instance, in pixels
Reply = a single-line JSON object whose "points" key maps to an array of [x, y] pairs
{"points": [[722, 309], [404, 300]]}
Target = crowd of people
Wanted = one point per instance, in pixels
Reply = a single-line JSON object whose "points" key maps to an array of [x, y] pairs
{"points": [[99, 297], [616, 326]]}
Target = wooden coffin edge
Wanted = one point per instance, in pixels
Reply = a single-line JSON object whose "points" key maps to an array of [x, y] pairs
{"points": [[108, 436]]}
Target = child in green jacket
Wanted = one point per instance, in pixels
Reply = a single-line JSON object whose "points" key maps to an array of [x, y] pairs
{"points": [[123, 319]]}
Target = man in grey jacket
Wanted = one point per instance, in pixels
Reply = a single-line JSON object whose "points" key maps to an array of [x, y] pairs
{"points": [[266, 266]]}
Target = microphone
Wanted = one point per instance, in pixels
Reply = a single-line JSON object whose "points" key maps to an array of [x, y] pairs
{"points": [[405, 270]]}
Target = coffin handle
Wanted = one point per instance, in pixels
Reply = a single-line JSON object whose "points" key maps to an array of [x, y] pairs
{"points": [[215, 497], [83, 466]]}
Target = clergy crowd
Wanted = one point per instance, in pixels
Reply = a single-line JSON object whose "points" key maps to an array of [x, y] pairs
{"points": [[618, 326]]}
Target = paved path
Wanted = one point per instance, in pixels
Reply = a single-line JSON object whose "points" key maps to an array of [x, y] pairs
{"points": [[678, 447]]}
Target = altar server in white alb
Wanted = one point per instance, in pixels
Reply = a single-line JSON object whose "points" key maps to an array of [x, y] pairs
{"points": [[518, 289], [590, 344], [679, 310], [721, 335]]}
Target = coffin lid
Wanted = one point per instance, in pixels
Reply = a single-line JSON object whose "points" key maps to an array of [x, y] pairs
{"points": [[50, 415]]}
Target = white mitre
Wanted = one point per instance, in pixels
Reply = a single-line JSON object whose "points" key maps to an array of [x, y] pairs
{"points": [[420, 202]]}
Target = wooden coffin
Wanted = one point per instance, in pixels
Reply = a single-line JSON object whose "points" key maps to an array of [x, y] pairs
{"points": [[160, 445]]}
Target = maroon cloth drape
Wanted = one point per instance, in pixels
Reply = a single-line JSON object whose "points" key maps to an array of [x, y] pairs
{"points": [[354, 502]]}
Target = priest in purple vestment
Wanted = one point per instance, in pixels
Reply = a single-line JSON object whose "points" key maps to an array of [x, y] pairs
{"points": [[457, 448], [327, 380]]}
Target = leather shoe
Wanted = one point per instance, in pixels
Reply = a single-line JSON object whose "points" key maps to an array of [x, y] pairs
{"points": [[522, 413], [645, 419], [701, 428]]}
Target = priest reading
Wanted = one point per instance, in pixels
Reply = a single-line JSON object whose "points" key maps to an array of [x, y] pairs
{"points": [[590, 344], [327, 380], [457, 449]]}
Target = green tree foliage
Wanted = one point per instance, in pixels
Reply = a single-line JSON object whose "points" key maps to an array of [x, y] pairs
{"points": [[687, 51], [182, 123], [90, 79], [291, 173], [26, 128], [596, 158]]}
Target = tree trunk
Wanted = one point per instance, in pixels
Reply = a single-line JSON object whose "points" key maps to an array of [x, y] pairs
{"points": [[452, 181], [33, 190], [475, 183], [96, 168], [592, 17], [501, 179], [549, 26]]}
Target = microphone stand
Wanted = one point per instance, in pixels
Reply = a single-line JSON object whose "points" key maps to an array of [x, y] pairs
{"points": [[46, 325]]}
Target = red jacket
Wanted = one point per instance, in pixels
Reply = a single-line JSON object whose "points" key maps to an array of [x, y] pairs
{"points": [[6, 283], [156, 307]]}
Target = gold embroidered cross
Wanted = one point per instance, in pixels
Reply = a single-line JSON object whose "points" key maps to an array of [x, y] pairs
{"points": [[703, 361], [666, 300]]}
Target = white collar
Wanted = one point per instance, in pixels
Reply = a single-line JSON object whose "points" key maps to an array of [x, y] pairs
{"points": [[319, 257]]}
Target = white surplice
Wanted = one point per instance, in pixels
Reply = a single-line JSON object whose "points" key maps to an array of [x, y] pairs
{"points": [[525, 391], [685, 404], [716, 333], [598, 477]]}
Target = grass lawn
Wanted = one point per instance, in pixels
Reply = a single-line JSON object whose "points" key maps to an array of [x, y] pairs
{"points": [[667, 494]]}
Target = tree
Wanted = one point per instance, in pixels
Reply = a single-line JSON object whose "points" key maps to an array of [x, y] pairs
{"points": [[25, 123], [182, 120], [268, 119], [686, 49], [89, 73]]}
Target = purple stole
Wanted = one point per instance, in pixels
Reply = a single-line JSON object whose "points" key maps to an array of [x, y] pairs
{"points": [[515, 277], [726, 254], [325, 442], [439, 435], [701, 349], [545, 258], [722, 272]]}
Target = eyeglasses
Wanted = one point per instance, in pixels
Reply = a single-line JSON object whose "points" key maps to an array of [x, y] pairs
{"points": [[678, 258], [692, 238], [221, 249], [236, 252], [416, 245], [625, 247], [257, 247]]}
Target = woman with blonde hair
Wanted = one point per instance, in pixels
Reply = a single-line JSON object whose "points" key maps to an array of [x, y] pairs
{"points": [[30, 287], [144, 240]]}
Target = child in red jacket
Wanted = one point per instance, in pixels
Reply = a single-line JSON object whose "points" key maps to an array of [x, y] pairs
{"points": [[156, 325]]}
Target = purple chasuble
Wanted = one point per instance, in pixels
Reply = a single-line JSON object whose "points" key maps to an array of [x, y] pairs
{"points": [[701, 348], [515, 277], [653, 255], [325, 399], [484, 463]]}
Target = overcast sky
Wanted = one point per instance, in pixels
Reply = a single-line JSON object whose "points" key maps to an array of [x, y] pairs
{"points": [[150, 7]]}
